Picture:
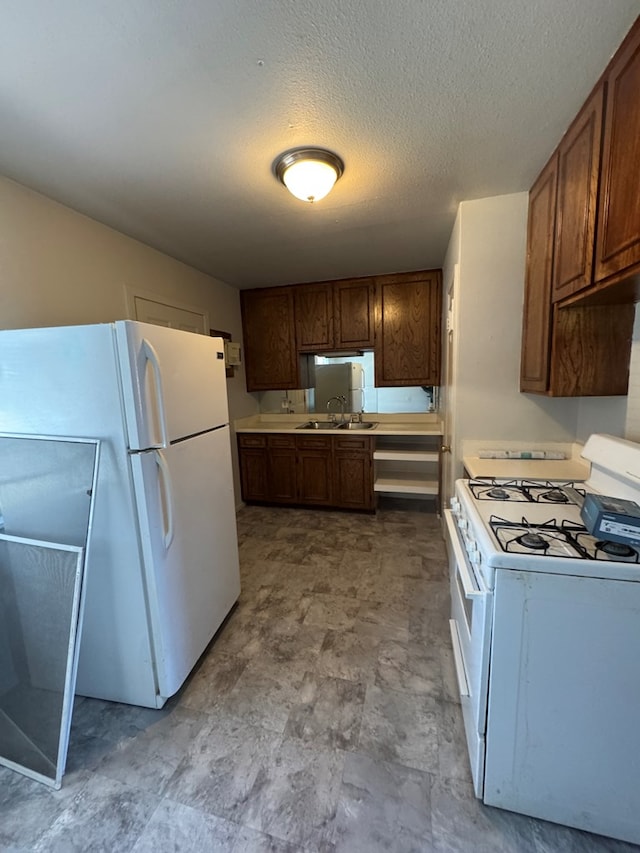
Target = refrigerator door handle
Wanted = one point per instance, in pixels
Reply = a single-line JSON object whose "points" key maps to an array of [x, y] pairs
{"points": [[167, 498], [152, 357]]}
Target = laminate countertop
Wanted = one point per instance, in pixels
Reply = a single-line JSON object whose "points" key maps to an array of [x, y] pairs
{"points": [[385, 425], [565, 470]]}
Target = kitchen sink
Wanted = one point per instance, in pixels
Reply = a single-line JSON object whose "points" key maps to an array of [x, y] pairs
{"points": [[318, 425], [363, 425]]}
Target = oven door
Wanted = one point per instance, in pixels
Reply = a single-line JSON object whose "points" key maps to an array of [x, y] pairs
{"points": [[470, 624]]}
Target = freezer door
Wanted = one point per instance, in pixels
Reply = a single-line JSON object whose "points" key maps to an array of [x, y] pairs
{"points": [[188, 533], [173, 383]]}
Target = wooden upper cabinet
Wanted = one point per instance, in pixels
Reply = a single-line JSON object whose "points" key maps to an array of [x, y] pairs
{"points": [[536, 323], [573, 351], [271, 358], [335, 315], [354, 313], [408, 329], [618, 234], [578, 166], [314, 316]]}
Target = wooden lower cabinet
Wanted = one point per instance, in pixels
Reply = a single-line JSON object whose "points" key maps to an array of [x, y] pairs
{"points": [[314, 477], [281, 469], [252, 453], [353, 473], [328, 471]]}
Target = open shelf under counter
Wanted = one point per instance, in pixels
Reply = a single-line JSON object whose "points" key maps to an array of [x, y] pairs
{"points": [[407, 465]]}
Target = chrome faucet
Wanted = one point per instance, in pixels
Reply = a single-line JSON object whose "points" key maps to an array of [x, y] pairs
{"points": [[340, 398]]}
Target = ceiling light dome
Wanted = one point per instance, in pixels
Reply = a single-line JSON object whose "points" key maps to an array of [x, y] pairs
{"points": [[308, 173]]}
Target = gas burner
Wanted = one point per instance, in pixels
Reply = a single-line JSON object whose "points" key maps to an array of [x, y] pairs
{"points": [[617, 550], [533, 540], [498, 494], [555, 495]]}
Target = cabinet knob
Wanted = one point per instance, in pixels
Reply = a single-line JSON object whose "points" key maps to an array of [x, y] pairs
{"points": [[445, 448]]}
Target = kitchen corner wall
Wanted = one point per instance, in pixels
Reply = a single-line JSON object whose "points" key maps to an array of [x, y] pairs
{"points": [[488, 245], [62, 268]]}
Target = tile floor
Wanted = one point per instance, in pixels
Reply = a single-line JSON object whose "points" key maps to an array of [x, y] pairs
{"points": [[322, 718]]}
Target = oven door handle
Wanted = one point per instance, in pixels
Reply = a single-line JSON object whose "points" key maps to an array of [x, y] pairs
{"points": [[470, 587]]}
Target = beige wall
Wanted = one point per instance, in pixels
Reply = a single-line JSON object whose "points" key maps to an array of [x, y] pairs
{"points": [[58, 267], [488, 243]]}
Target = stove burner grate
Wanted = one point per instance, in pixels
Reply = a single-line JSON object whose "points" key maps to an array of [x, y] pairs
{"points": [[549, 539]]}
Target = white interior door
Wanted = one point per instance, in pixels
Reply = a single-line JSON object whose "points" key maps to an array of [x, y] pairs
{"points": [[187, 517]]}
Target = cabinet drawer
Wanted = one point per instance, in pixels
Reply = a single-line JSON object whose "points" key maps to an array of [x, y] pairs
{"points": [[251, 440], [313, 442], [278, 441], [360, 443]]}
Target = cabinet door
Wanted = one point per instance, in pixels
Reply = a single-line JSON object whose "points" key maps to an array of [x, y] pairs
{"points": [[314, 470], [408, 329], [314, 317], [578, 164], [354, 313], [271, 360], [253, 474], [618, 230], [353, 473], [281, 467], [536, 325]]}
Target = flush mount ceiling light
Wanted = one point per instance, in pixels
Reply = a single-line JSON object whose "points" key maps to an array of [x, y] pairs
{"points": [[308, 173]]}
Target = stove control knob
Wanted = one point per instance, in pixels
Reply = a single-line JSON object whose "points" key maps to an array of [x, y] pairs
{"points": [[463, 523], [455, 505], [475, 558]]}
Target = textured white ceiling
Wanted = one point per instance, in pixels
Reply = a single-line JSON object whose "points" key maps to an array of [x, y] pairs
{"points": [[162, 118]]}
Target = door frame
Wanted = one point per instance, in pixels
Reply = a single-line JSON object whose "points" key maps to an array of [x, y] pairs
{"points": [[132, 292]]}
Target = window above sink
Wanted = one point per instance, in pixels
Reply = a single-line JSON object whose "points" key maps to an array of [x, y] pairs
{"points": [[399, 400]]}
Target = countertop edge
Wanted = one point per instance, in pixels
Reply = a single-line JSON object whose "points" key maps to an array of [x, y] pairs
{"points": [[379, 430]]}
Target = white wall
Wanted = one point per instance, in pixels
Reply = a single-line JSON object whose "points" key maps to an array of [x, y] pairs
{"points": [[489, 244], [58, 267]]}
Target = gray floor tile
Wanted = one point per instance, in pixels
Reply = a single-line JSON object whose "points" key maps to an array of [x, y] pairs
{"points": [[148, 760], [350, 655], [176, 828], [400, 727], [410, 668], [328, 713], [219, 769], [214, 678], [295, 796], [106, 816], [253, 841], [383, 806], [332, 611], [28, 808], [265, 693]]}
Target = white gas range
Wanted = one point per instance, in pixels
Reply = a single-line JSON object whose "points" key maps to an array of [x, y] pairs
{"points": [[545, 630]]}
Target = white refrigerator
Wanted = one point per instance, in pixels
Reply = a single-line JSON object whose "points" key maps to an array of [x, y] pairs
{"points": [[345, 379], [163, 570]]}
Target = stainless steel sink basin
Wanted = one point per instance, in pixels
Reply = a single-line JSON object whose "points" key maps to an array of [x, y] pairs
{"points": [[365, 425], [318, 425]]}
